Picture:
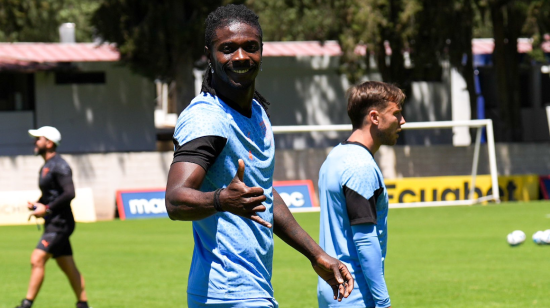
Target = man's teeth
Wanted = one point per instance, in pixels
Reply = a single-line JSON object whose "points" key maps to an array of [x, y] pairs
{"points": [[241, 71]]}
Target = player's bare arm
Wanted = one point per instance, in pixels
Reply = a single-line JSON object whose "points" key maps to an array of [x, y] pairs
{"points": [[184, 200], [334, 272]]}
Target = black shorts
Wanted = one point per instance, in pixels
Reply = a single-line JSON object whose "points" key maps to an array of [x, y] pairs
{"points": [[55, 243]]}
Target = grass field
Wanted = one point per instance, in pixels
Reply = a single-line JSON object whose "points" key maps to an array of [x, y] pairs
{"points": [[437, 257]]}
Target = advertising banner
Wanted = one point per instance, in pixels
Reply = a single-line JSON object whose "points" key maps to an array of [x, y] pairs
{"points": [[143, 203], [14, 211], [446, 188], [299, 195], [545, 186]]}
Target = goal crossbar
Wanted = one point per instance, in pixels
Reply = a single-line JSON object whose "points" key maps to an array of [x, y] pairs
{"points": [[479, 124]]}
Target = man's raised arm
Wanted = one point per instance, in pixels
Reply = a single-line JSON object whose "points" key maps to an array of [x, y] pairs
{"points": [[184, 200]]}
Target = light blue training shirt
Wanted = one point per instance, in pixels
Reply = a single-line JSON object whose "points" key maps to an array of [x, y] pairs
{"points": [[353, 227], [233, 256]]}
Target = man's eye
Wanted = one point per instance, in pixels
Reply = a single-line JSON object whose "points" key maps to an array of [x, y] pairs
{"points": [[252, 48], [227, 49]]}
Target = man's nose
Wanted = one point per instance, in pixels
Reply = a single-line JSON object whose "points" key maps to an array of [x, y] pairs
{"points": [[240, 55]]}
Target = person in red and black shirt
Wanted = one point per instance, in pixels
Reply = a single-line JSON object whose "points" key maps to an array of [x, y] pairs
{"points": [[56, 184]]}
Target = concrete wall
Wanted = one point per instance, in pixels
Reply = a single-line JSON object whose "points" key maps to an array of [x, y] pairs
{"points": [[116, 116], [304, 91], [420, 161], [106, 173], [309, 91], [14, 138]]}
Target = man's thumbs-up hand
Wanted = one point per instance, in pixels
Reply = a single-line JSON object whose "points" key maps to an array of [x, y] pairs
{"points": [[239, 199]]}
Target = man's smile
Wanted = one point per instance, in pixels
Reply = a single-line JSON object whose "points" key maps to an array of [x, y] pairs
{"points": [[240, 71]]}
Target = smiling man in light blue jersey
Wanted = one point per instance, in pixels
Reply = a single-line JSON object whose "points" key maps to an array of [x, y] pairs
{"points": [[221, 178], [354, 200]]}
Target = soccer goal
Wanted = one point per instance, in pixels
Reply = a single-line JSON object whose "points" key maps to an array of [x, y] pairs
{"points": [[478, 124]]}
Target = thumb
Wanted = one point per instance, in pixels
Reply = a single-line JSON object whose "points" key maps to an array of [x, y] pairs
{"points": [[337, 274], [240, 171]]}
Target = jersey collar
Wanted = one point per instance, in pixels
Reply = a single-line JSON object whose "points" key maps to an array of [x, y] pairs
{"points": [[359, 144], [233, 105]]}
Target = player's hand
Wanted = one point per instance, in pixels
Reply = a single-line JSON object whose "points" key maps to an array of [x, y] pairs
{"points": [[336, 274], [31, 206], [239, 199], [40, 210]]}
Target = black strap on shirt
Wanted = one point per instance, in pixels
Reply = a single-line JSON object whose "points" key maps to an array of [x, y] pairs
{"points": [[202, 151], [361, 210]]}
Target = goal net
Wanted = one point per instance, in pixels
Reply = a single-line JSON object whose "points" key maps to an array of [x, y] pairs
{"points": [[470, 196]]}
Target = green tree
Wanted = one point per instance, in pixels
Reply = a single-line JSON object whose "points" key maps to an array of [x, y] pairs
{"points": [[351, 22], [507, 18], [537, 26], [298, 20], [39, 20], [444, 33], [380, 25], [159, 39], [431, 31]]}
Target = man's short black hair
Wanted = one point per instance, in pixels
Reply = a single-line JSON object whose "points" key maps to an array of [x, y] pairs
{"points": [[224, 15]]}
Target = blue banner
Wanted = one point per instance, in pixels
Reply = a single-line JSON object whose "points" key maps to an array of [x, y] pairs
{"points": [[149, 203], [137, 204], [298, 195], [545, 186]]}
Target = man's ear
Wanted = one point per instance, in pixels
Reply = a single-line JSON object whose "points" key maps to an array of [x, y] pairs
{"points": [[374, 117], [49, 144]]}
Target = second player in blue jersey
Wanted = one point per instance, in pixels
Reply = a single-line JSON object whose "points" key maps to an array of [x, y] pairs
{"points": [[353, 197]]}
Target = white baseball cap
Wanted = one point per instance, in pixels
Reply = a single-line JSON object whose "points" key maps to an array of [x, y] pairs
{"points": [[48, 132]]}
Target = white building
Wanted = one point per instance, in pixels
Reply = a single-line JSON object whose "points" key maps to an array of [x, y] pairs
{"points": [[97, 104]]}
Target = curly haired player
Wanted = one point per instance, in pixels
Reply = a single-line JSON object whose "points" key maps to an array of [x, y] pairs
{"points": [[235, 211]]}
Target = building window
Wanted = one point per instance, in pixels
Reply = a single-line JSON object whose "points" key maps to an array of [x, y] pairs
{"points": [[79, 78], [16, 92]]}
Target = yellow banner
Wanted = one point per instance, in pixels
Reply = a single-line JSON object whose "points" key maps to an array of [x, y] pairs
{"points": [[13, 206], [450, 188]]}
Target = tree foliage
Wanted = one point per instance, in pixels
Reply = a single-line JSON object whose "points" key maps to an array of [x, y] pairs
{"points": [[159, 39], [432, 32], [39, 20]]}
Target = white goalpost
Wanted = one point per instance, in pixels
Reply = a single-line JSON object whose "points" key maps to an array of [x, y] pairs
{"points": [[478, 124]]}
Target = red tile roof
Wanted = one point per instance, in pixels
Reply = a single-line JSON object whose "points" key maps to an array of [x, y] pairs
{"points": [[305, 48], [21, 54], [56, 52], [486, 46]]}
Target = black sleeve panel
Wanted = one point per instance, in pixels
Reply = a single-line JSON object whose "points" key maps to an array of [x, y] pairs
{"points": [[202, 151], [360, 210], [65, 180]]}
